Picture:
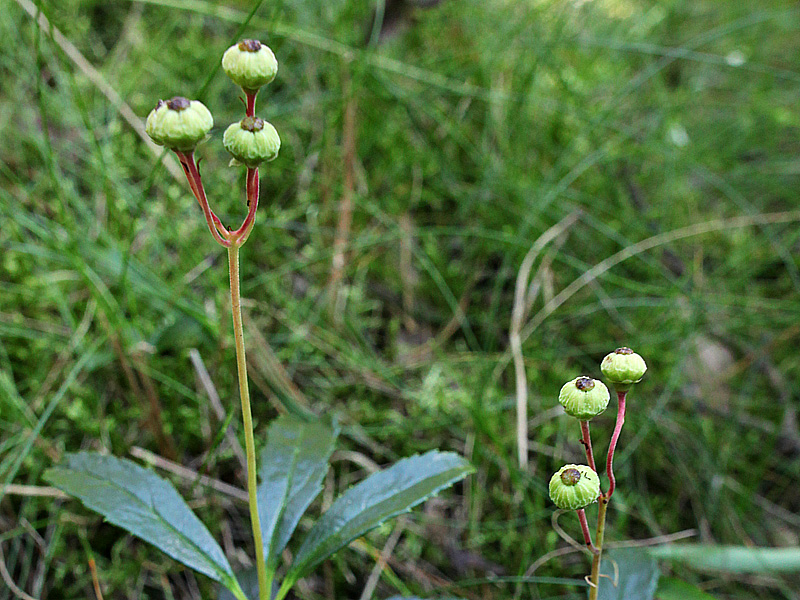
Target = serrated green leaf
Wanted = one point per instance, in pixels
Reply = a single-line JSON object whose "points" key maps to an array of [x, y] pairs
{"points": [[145, 505], [732, 559], [380, 497], [670, 588], [632, 575], [293, 465]]}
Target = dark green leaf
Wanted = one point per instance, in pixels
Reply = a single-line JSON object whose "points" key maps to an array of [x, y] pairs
{"points": [[732, 559], [293, 464], [632, 575], [670, 588], [380, 497], [145, 505]]}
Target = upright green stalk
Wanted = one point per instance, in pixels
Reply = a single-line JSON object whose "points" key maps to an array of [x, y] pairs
{"points": [[594, 579], [244, 393]]}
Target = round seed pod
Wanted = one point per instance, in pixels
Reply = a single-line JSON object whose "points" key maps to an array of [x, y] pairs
{"points": [[574, 487], [584, 398], [250, 64], [252, 141], [622, 368], [179, 124]]}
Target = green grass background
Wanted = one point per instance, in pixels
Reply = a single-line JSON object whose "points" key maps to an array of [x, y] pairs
{"points": [[478, 125]]}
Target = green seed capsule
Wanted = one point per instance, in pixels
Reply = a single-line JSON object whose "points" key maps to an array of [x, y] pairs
{"points": [[584, 398], [622, 368], [179, 124], [574, 487], [252, 141], [250, 64]]}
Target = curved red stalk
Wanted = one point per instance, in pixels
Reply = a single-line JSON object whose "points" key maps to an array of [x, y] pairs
{"points": [[613, 445], [215, 226], [243, 232], [587, 537]]}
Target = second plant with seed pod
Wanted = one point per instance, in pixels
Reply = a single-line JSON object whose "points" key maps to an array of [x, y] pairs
{"points": [[575, 487]]}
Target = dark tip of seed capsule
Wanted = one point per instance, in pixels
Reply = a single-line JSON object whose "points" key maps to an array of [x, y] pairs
{"points": [[178, 103], [570, 476], [249, 45], [252, 124], [623, 350], [584, 384]]}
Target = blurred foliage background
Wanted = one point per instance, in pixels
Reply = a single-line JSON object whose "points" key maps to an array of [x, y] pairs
{"points": [[440, 140]]}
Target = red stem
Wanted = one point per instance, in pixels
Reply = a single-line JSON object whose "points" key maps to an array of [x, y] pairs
{"points": [[215, 226], [243, 232], [251, 103], [613, 445], [586, 440], [587, 537], [188, 176]]}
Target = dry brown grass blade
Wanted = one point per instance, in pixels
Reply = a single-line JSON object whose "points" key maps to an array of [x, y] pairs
{"points": [[95, 579], [216, 404], [13, 489], [522, 300], [383, 559], [9, 581], [97, 79], [188, 474], [264, 361], [639, 248], [346, 203]]}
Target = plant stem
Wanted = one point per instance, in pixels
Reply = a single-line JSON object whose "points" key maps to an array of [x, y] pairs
{"points": [[250, 105], [587, 537], [284, 589], [244, 393], [613, 445], [215, 226], [586, 440], [243, 232], [239, 594], [594, 578], [601, 528]]}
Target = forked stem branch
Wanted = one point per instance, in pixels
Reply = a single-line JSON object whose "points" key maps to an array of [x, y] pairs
{"points": [[604, 499], [215, 226]]}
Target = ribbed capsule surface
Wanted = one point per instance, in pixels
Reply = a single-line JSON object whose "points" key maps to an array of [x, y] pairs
{"points": [[250, 64], [623, 367], [584, 398], [179, 124], [252, 141], [574, 486]]}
